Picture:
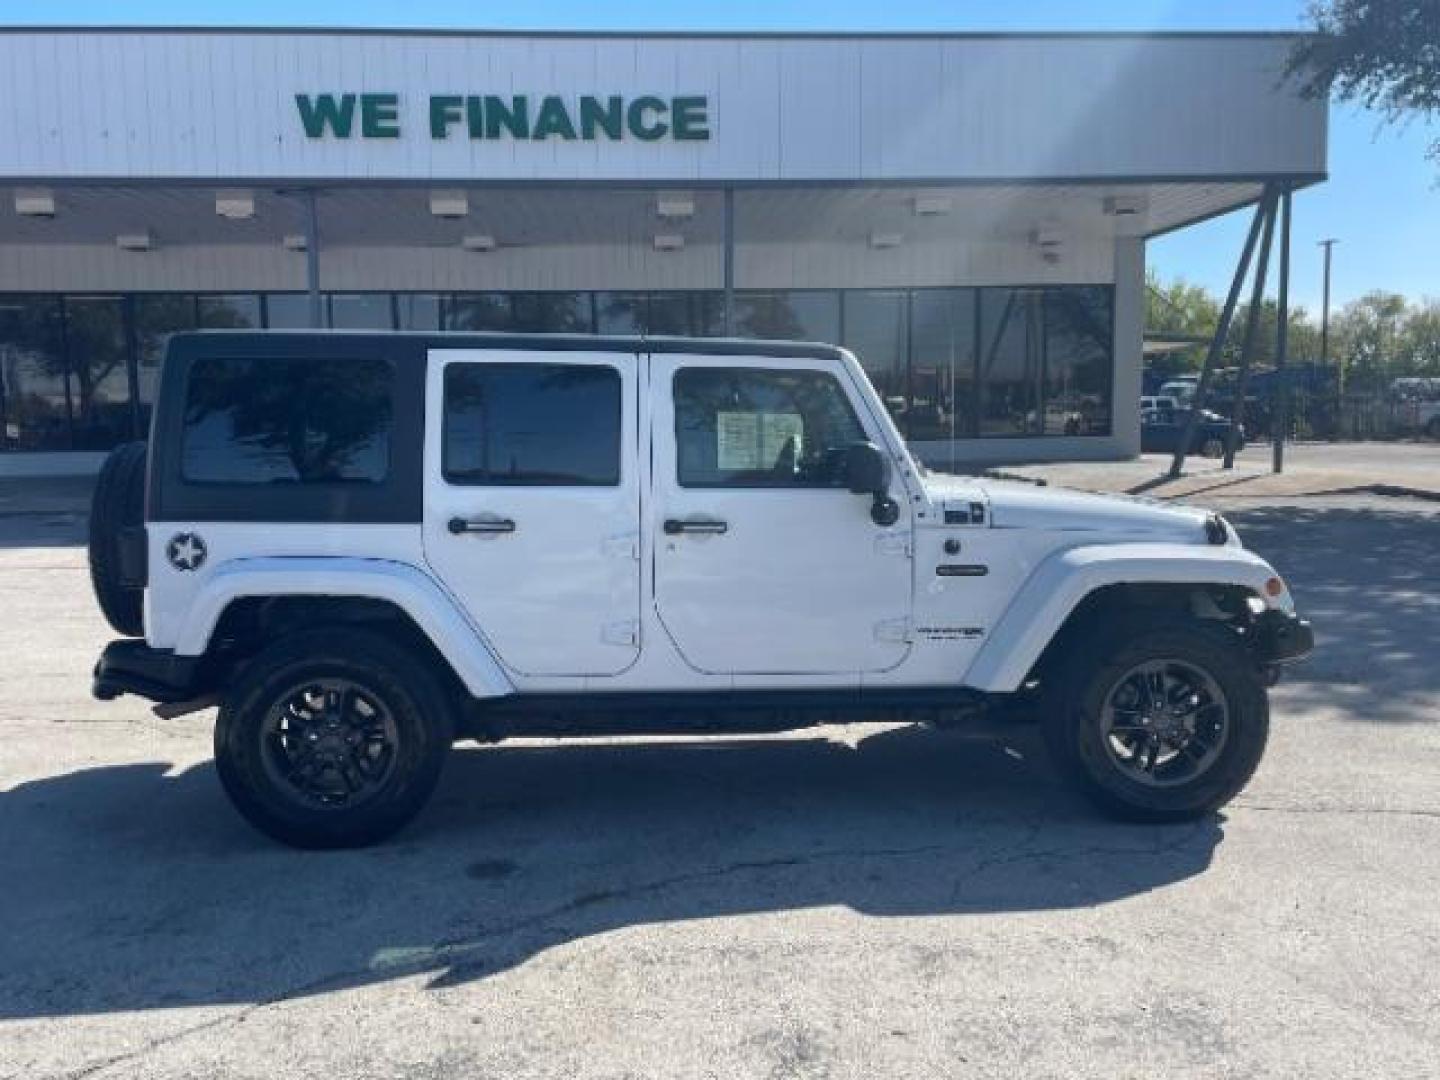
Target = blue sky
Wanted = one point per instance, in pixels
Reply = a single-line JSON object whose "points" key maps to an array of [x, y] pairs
{"points": [[1382, 200]]}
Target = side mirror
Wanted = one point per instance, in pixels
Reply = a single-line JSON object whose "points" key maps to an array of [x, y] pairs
{"points": [[867, 472]]}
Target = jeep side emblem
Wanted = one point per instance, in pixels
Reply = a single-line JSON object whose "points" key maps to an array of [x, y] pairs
{"points": [[186, 551]]}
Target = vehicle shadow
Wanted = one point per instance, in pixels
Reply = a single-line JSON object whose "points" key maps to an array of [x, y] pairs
{"points": [[42, 529], [130, 888]]}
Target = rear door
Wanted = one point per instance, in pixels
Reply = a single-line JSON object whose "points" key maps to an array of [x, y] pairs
{"points": [[533, 500]]}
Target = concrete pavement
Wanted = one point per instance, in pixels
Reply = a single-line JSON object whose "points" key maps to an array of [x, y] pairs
{"points": [[852, 902], [1404, 470]]}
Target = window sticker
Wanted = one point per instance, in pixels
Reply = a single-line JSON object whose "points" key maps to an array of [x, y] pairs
{"points": [[747, 441]]}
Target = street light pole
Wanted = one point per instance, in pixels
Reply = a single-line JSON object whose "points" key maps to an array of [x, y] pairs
{"points": [[1325, 304]]}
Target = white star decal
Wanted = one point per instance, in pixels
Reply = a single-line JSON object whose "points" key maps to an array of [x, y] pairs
{"points": [[187, 551]]}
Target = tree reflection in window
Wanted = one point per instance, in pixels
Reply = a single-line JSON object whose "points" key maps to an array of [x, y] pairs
{"points": [[279, 420], [532, 424]]}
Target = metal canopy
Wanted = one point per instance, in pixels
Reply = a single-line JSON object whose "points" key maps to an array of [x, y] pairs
{"points": [[399, 216]]}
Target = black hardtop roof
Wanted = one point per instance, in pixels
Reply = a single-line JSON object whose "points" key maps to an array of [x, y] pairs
{"points": [[291, 341]]}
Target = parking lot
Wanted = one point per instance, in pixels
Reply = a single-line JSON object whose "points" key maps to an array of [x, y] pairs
{"points": [[853, 901]]}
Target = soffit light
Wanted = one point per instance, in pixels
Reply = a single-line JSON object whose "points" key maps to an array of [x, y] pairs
{"points": [[882, 240], [1124, 205], [35, 202], [669, 241], [294, 242], [929, 205], [235, 204], [449, 204], [479, 242], [141, 241], [675, 207], [1049, 241]]}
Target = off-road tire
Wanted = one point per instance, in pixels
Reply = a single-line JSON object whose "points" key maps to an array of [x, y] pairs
{"points": [[117, 504], [394, 674], [1073, 720]]}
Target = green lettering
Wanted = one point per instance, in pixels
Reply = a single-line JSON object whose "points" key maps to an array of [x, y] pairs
{"points": [[514, 118], [474, 117], [635, 119], [323, 111], [444, 111], [609, 117], [553, 119], [690, 118], [380, 116]]}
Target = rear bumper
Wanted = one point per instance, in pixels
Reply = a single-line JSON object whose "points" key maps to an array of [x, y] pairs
{"points": [[132, 667], [1281, 637]]}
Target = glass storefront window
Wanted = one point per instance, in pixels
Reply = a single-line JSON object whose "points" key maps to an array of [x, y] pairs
{"points": [[708, 310], [157, 316], [551, 313], [942, 364], [361, 311], [804, 315], [417, 311], [876, 329], [97, 354], [289, 311], [669, 313], [1010, 366], [949, 363], [1079, 331], [35, 400], [478, 311], [240, 311], [621, 313]]}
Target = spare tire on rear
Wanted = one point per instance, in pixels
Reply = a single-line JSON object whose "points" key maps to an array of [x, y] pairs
{"points": [[118, 505]]}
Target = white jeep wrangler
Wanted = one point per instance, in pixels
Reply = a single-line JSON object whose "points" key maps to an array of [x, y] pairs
{"points": [[364, 546]]}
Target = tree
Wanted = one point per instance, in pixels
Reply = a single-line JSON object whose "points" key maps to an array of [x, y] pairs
{"points": [[1384, 54], [1368, 333], [1179, 308], [1304, 336], [1419, 346]]}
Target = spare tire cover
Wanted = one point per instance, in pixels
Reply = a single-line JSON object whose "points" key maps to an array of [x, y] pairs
{"points": [[118, 504]]}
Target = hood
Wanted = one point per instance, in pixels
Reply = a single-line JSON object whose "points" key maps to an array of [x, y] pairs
{"points": [[1027, 506]]}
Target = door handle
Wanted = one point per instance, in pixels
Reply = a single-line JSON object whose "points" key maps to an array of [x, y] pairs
{"points": [[459, 526], [676, 526]]}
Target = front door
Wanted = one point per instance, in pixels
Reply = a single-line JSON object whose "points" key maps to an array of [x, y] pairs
{"points": [[764, 562], [533, 501]]}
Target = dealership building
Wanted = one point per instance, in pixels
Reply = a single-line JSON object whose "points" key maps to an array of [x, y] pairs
{"points": [[966, 212]]}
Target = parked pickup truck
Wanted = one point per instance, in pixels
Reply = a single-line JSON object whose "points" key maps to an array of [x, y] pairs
{"points": [[363, 547]]}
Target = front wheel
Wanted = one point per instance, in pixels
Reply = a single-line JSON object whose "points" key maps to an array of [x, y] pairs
{"points": [[1161, 722], [332, 738]]}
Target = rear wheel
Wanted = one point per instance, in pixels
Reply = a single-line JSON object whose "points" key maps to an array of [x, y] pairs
{"points": [[117, 505], [332, 738], [1161, 721]]}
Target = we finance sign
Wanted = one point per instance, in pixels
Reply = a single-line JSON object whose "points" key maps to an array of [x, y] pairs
{"points": [[534, 118]]}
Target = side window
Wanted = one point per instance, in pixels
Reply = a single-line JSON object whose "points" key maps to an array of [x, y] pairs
{"points": [[287, 420], [532, 425], [750, 427]]}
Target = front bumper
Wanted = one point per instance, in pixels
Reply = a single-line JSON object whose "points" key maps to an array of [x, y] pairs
{"points": [[1281, 637], [130, 666]]}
